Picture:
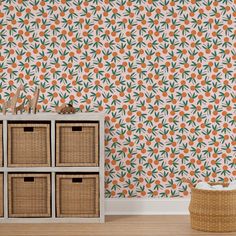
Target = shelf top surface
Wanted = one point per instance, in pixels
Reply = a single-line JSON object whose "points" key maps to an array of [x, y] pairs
{"points": [[54, 116]]}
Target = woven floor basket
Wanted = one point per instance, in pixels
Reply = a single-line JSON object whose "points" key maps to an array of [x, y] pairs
{"points": [[28, 145], [1, 195], [213, 210]]}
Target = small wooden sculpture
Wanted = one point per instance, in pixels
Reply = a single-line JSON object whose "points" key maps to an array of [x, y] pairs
{"points": [[11, 103], [66, 109], [58, 108], [20, 108], [32, 102]]}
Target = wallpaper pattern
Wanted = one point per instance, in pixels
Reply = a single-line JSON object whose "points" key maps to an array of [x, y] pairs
{"points": [[164, 72]]}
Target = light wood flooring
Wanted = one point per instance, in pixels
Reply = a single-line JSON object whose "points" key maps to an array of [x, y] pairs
{"points": [[114, 226]]}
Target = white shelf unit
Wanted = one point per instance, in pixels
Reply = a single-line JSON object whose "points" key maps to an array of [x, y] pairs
{"points": [[53, 118]]}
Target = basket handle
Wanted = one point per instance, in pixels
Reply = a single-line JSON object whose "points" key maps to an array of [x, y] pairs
{"points": [[77, 128], [28, 129], [28, 179], [77, 180]]}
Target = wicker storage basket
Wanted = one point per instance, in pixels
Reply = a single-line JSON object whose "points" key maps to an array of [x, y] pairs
{"points": [[77, 144], [77, 195], [1, 145], [29, 195], [1, 195], [213, 210], [28, 145]]}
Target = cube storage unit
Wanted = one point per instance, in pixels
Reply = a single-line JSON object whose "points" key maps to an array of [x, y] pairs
{"points": [[28, 144], [77, 195], [29, 195], [77, 144], [53, 168], [1, 195]]}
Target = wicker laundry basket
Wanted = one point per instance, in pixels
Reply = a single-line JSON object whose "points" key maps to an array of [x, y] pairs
{"points": [[213, 210], [1, 146], [28, 145], [1, 195], [77, 144], [29, 195], [77, 195]]}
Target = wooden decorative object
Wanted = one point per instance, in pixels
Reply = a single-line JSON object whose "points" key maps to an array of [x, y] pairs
{"points": [[32, 103], [59, 108], [66, 109], [20, 108], [12, 102]]}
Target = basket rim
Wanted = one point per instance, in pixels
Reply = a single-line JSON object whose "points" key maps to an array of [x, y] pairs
{"points": [[67, 125], [193, 188], [22, 125], [214, 191]]}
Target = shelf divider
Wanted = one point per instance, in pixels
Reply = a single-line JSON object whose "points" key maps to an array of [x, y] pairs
{"points": [[53, 146], [5, 178]]}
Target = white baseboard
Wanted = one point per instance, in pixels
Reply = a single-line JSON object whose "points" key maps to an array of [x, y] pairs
{"points": [[142, 206]]}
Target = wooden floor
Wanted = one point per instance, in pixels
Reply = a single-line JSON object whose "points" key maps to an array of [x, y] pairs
{"points": [[114, 226]]}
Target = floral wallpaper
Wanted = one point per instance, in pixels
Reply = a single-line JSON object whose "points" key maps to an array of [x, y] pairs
{"points": [[164, 72]]}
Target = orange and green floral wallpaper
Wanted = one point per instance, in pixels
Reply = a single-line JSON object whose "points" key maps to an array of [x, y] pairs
{"points": [[164, 72]]}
